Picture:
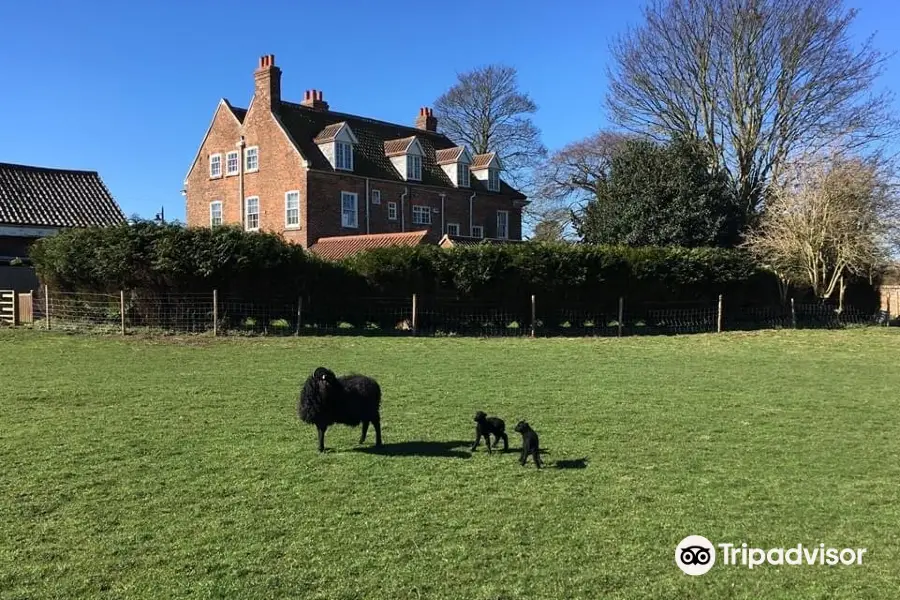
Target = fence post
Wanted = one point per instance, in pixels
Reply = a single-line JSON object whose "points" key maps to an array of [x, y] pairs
{"points": [[719, 318], [533, 316], [299, 312], [15, 307], [621, 314], [122, 308], [887, 316], [793, 315], [47, 305], [215, 313], [415, 318]]}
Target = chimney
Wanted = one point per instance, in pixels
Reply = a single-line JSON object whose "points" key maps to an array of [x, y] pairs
{"points": [[268, 83], [426, 120], [313, 99]]}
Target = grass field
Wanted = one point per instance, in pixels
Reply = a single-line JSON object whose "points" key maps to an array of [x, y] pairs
{"points": [[176, 468]]}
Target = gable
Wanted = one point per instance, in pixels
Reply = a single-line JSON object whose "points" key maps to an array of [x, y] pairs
{"points": [[238, 114]]}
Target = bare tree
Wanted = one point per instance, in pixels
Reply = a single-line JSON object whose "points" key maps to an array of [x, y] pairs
{"points": [[571, 174], [760, 81], [827, 217], [486, 111]]}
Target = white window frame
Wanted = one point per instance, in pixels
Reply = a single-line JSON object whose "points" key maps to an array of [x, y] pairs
{"points": [[463, 175], [288, 210], [247, 155], [494, 180], [215, 159], [234, 154], [376, 197], [345, 212], [392, 211], [345, 150], [248, 214], [505, 220], [414, 167], [212, 205], [477, 231], [424, 214], [453, 226]]}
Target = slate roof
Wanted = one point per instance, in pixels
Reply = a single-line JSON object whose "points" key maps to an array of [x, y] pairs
{"points": [[304, 124], [45, 197], [342, 246]]}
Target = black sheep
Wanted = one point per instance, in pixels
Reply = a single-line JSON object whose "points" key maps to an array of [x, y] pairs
{"points": [[530, 444], [349, 400], [485, 426]]}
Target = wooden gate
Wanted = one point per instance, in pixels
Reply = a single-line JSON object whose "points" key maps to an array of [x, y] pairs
{"points": [[8, 307], [16, 309]]}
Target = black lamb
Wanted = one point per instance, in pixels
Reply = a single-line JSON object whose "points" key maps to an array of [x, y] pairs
{"points": [[349, 400]]}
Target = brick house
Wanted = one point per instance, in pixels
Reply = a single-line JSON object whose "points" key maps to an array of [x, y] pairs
{"points": [[306, 172]]}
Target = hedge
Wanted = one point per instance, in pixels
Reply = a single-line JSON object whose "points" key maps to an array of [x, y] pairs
{"points": [[260, 267]]}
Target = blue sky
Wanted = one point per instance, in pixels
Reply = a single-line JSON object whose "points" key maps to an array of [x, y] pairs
{"points": [[129, 88]]}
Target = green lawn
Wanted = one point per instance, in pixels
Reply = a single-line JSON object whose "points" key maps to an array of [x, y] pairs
{"points": [[176, 468]]}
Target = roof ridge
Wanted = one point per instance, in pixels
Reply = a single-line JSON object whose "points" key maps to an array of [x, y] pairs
{"points": [[414, 131], [52, 169]]}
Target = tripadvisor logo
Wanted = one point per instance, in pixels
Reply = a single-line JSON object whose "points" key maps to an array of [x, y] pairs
{"points": [[696, 555]]}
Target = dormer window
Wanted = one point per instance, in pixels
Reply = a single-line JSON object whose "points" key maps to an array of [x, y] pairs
{"points": [[414, 167], [343, 156], [407, 156], [336, 142], [455, 163], [462, 175], [486, 168], [494, 180]]}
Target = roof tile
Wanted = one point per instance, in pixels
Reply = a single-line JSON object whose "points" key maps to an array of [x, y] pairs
{"points": [[448, 155], [55, 198], [481, 161], [342, 246]]}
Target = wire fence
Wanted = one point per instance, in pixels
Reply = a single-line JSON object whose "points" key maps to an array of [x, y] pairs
{"points": [[208, 313]]}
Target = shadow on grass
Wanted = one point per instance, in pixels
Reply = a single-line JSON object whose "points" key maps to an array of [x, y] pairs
{"points": [[420, 448], [575, 463]]}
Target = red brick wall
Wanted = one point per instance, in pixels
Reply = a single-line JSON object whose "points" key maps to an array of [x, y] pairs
{"points": [[201, 190], [324, 199], [279, 171]]}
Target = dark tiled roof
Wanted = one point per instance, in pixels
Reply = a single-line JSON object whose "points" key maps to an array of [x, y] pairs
{"points": [[329, 133], [304, 124], [55, 198], [342, 246], [462, 240], [481, 161], [448, 155]]}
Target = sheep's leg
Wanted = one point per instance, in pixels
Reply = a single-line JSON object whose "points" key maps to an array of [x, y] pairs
{"points": [[365, 430], [322, 429], [376, 423]]}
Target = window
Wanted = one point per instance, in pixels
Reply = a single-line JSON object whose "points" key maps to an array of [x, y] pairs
{"points": [[462, 175], [231, 163], [376, 196], [215, 165], [251, 162], [502, 224], [414, 167], [493, 180], [292, 209], [421, 215], [215, 213], [343, 156], [252, 221], [392, 211], [452, 228], [348, 210], [477, 231]]}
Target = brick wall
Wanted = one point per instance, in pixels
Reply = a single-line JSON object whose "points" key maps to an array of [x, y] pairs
{"points": [[324, 201], [279, 171]]}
